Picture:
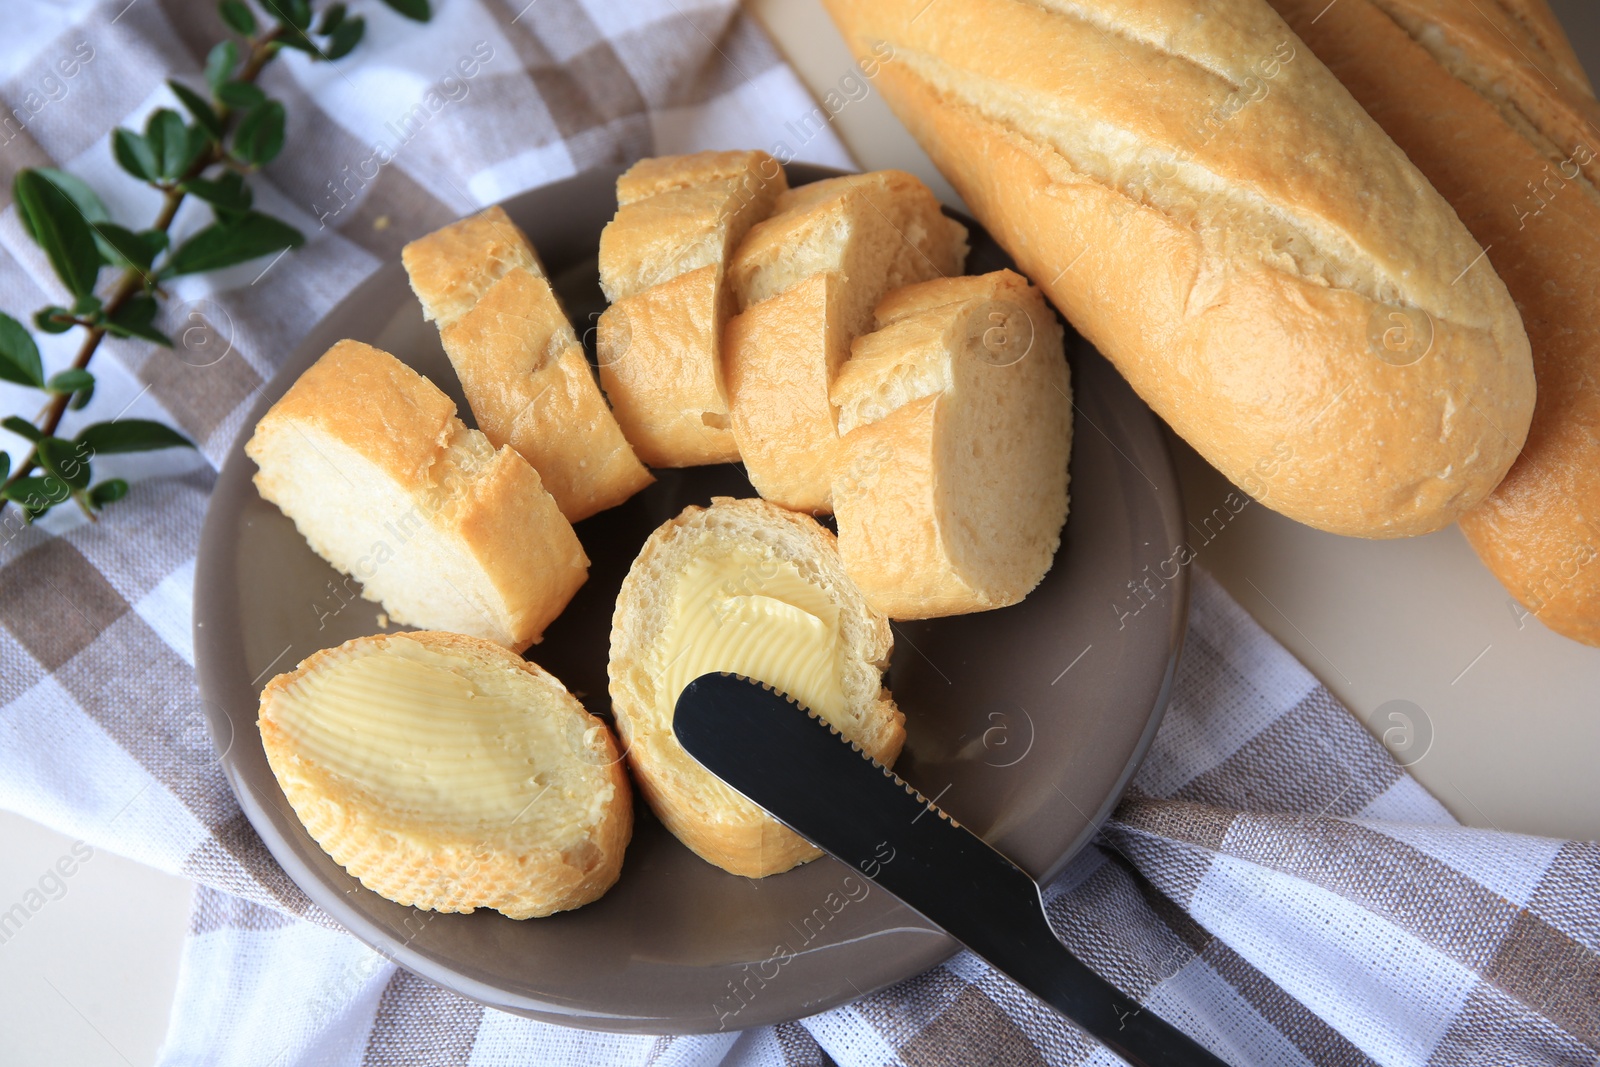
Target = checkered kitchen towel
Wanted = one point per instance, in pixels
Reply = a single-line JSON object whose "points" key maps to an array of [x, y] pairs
{"points": [[1275, 884]]}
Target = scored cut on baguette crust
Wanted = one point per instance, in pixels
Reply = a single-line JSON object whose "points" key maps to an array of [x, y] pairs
{"points": [[1236, 273], [715, 822], [662, 266], [955, 416], [520, 364], [1459, 86], [386, 484], [483, 837], [807, 280]]}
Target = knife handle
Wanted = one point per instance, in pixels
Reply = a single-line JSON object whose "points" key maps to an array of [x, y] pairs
{"points": [[1053, 974]]}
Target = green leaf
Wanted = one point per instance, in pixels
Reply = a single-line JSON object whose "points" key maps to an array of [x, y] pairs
{"points": [[134, 318], [5, 465], [38, 495], [135, 155], [238, 17], [259, 138], [108, 492], [50, 319], [88, 202], [228, 193], [131, 435], [169, 141], [346, 37], [296, 13], [78, 192], [412, 9], [202, 111], [129, 247], [66, 461], [331, 19], [21, 427], [58, 225], [155, 241], [241, 95], [81, 398], [72, 380], [224, 244], [87, 304], [297, 39], [220, 64], [19, 355]]}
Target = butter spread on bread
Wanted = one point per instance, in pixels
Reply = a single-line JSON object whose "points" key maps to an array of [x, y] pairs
{"points": [[446, 772], [386, 484], [950, 486], [749, 587], [521, 367], [662, 266], [807, 280], [1489, 101], [1207, 204]]}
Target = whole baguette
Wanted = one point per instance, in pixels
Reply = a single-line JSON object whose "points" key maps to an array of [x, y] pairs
{"points": [[1491, 104], [1211, 208]]}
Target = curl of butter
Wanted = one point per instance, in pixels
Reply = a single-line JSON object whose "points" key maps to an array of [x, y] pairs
{"points": [[756, 616]]}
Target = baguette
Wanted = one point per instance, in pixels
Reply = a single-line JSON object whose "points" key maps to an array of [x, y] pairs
{"points": [[448, 773], [742, 586], [1210, 207], [662, 261], [520, 365], [1491, 104], [807, 280], [386, 484], [955, 418]]}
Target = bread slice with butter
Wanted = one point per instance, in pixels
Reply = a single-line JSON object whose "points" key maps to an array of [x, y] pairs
{"points": [[448, 773], [662, 264], [386, 484], [520, 364], [748, 587], [807, 280], [955, 416]]}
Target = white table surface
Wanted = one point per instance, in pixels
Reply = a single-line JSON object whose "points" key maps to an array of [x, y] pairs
{"points": [[1513, 709]]}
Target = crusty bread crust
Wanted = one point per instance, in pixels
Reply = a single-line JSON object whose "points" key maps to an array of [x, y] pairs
{"points": [[441, 871], [451, 268], [662, 261], [1462, 87], [1236, 273], [520, 365], [806, 280], [716, 823], [530, 387], [487, 505], [950, 483]]}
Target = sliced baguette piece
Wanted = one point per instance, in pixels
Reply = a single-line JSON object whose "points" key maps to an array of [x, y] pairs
{"points": [[520, 364], [451, 268], [1489, 102], [749, 587], [955, 418], [807, 280], [386, 484], [1205, 202], [448, 773], [662, 261]]}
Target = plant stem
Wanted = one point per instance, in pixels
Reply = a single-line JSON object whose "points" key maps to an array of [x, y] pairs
{"points": [[133, 281]]}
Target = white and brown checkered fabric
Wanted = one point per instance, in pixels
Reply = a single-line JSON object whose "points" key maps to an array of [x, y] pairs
{"points": [[1274, 883]]}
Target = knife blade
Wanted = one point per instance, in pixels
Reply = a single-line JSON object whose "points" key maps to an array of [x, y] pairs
{"points": [[805, 774]]}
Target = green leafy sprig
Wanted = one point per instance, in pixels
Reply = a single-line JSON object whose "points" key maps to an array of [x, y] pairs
{"points": [[232, 130]]}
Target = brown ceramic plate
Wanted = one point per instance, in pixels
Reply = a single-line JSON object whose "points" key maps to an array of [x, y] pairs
{"points": [[1026, 723]]}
